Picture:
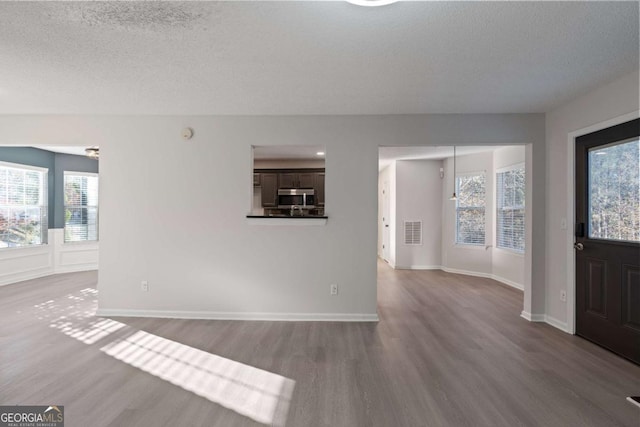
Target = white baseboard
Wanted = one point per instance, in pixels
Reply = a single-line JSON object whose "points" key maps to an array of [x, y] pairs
{"points": [[508, 282], [551, 321], [466, 272], [419, 267], [557, 323], [532, 317], [212, 315], [497, 278]]}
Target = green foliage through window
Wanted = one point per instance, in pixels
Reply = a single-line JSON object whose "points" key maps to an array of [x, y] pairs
{"points": [[614, 192], [23, 206], [470, 205], [80, 207]]}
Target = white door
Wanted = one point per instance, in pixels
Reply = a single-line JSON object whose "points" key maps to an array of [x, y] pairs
{"points": [[385, 221]]}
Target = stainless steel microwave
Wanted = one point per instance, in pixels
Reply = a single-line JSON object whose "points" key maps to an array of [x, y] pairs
{"points": [[304, 198]]}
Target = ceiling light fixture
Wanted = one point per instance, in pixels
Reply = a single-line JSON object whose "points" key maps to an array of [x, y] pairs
{"points": [[320, 153], [93, 152], [454, 175], [372, 3]]}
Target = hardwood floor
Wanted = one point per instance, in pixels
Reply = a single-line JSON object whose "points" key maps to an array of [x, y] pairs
{"points": [[449, 350]]}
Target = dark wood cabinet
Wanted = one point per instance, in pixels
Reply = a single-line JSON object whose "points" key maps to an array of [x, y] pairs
{"points": [[270, 180], [318, 185], [296, 180], [306, 180], [269, 189], [287, 180]]}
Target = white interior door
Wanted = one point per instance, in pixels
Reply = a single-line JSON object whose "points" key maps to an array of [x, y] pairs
{"points": [[385, 221]]}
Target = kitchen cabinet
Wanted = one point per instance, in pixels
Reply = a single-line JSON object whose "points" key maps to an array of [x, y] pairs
{"points": [[269, 189], [287, 180], [296, 180], [318, 185], [306, 180], [270, 180]]}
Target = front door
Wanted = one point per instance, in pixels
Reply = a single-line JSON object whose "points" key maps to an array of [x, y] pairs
{"points": [[607, 243]]}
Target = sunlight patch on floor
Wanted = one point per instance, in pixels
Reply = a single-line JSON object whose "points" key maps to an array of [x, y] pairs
{"points": [[75, 315], [258, 394]]}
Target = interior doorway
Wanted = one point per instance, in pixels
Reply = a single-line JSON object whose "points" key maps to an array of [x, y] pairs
{"points": [[481, 232]]}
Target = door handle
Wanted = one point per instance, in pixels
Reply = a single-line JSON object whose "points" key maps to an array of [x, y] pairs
{"points": [[578, 246]]}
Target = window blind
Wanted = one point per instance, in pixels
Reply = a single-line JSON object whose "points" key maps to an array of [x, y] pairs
{"points": [[470, 209], [80, 207], [23, 205], [510, 197]]}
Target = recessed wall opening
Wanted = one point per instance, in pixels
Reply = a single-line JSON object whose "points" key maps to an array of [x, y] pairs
{"points": [[464, 216], [288, 181]]}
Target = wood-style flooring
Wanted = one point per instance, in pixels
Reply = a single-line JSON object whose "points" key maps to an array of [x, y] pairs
{"points": [[449, 350]]}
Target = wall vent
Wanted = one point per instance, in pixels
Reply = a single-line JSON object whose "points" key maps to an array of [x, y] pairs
{"points": [[413, 232]]}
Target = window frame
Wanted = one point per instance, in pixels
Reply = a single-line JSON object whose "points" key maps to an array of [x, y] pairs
{"points": [[44, 216], [457, 208], [498, 208], [64, 207]]}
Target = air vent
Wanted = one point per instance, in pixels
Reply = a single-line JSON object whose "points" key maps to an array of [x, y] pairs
{"points": [[413, 232]]}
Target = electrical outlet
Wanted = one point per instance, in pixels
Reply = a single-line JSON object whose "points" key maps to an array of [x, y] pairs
{"points": [[333, 289], [144, 285], [563, 296]]}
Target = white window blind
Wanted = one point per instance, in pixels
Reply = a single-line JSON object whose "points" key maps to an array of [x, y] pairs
{"points": [[510, 196], [80, 207], [23, 205], [470, 205]]}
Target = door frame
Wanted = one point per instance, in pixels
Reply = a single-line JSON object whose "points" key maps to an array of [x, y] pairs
{"points": [[570, 219]]}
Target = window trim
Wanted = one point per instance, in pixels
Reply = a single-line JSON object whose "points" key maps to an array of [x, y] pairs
{"points": [[455, 234], [24, 167], [64, 206], [512, 167]]}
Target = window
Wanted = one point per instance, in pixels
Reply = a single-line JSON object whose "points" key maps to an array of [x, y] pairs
{"points": [[80, 206], [510, 208], [23, 205], [470, 203], [614, 193]]}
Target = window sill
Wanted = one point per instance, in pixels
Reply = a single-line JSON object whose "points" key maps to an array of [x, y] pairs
{"points": [[472, 247], [81, 242], [295, 220]]}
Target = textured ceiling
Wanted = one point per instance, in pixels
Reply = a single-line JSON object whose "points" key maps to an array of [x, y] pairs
{"points": [[262, 57]]}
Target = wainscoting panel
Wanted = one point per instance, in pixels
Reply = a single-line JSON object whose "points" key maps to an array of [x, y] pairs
{"points": [[18, 264]]}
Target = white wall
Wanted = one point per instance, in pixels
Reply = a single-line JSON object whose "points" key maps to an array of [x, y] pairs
{"points": [[605, 103], [173, 212], [18, 264], [418, 189]]}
